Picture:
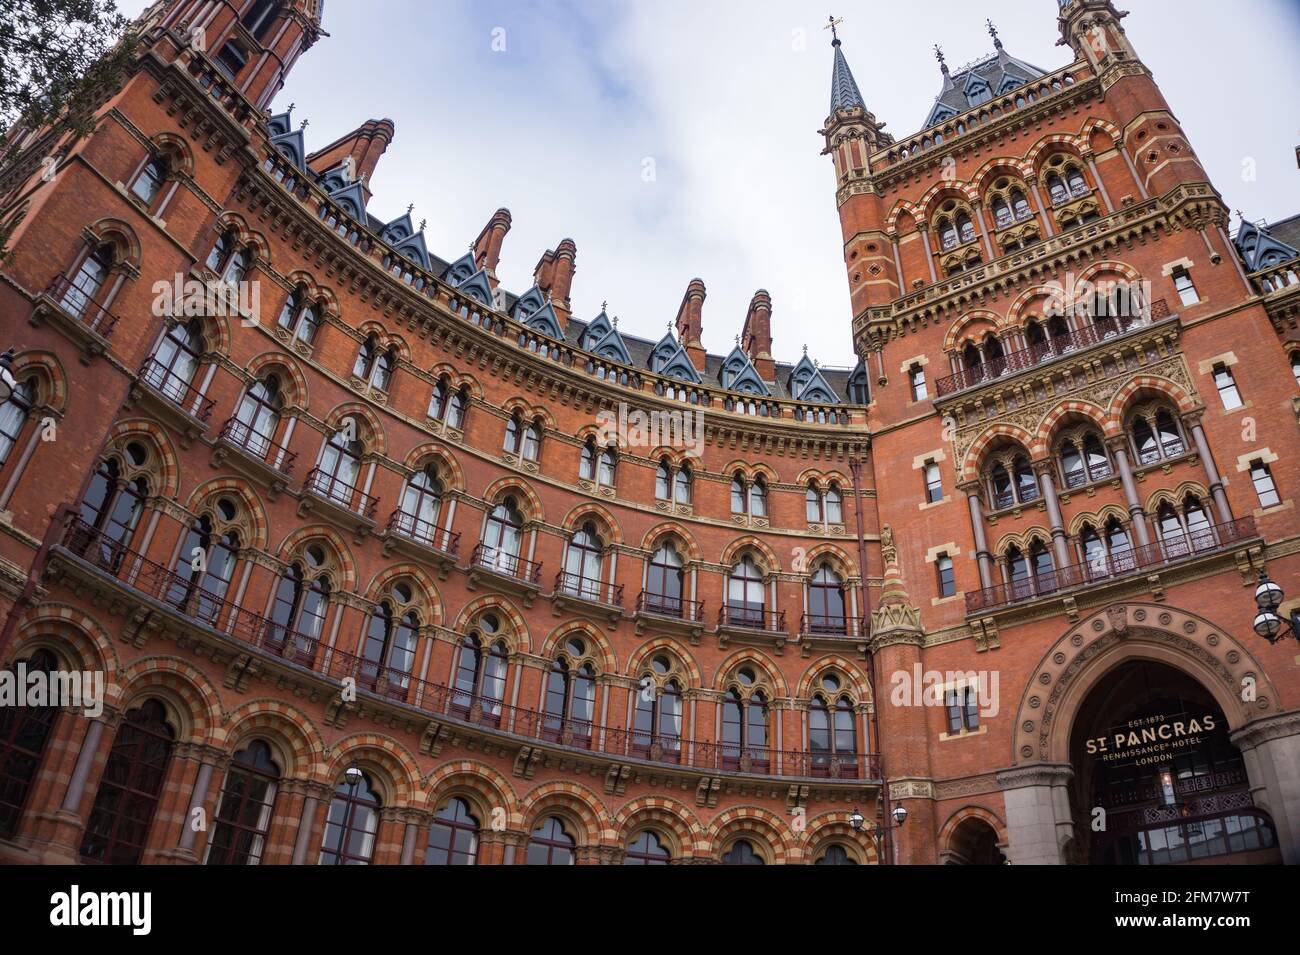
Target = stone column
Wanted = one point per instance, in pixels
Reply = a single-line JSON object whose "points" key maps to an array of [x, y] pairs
{"points": [[1047, 487], [1270, 748], [1193, 423], [1137, 516], [306, 827], [982, 555], [1039, 823], [984, 232], [1101, 186], [208, 760], [929, 252], [1044, 213]]}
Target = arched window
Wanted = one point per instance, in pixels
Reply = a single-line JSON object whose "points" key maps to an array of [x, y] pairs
{"points": [[738, 496], [352, 823], [1019, 205], [514, 433], [300, 316], [111, 510], [813, 501], [502, 536], [606, 467], [149, 181], [664, 582], [1156, 435], [129, 788], [205, 564], [1200, 533], [587, 462], [551, 844], [658, 716], [389, 647], [175, 361], [1002, 216], [832, 732], [570, 697], [85, 286], [481, 673], [758, 497], [582, 563], [24, 731], [742, 852], [1171, 439], [13, 415], [1169, 525], [826, 601], [947, 233], [385, 364], [366, 358], [744, 725], [222, 249], [1119, 547], [533, 442], [298, 611], [438, 399], [1074, 179], [243, 815], [682, 484], [453, 835], [421, 504], [835, 855], [663, 478], [1026, 485], [1056, 189], [339, 468], [257, 417], [834, 504], [647, 849], [746, 594], [458, 407], [965, 228]]}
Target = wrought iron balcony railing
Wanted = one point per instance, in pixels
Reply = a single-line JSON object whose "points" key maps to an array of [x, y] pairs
{"points": [[423, 532], [1097, 331], [507, 564], [246, 439], [176, 389], [575, 585], [1168, 549], [340, 492], [137, 574], [79, 302], [748, 617], [833, 625], [664, 606]]}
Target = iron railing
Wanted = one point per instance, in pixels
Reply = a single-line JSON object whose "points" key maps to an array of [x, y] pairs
{"points": [[749, 617], [1090, 334], [665, 606], [576, 585], [176, 389], [1166, 550], [79, 302], [246, 439], [837, 625], [340, 492], [509, 565], [138, 574], [423, 532]]}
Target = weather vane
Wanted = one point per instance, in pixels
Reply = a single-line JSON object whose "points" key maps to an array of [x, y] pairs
{"points": [[833, 22], [938, 55]]}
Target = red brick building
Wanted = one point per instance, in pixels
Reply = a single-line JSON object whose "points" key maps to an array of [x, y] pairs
{"points": [[386, 563]]}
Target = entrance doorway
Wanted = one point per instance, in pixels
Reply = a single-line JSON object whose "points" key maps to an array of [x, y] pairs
{"points": [[1156, 779]]}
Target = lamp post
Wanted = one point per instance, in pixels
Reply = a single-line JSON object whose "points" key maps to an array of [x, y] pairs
{"points": [[879, 830], [1268, 597]]}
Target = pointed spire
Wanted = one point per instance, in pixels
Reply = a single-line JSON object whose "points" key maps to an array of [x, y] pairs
{"points": [[844, 89]]}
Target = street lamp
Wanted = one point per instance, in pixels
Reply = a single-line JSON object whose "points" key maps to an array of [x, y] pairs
{"points": [[7, 381], [1268, 597], [899, 814], [353, 776]]}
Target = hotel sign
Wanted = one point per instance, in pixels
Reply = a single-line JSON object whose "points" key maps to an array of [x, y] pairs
{"points": [[1152, 739]]}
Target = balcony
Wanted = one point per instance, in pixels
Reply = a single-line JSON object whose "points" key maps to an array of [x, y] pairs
{"points": [[72, 309], [510, 571], [585, 594], [421, 539], [818, 631], [257, 457], [91, 559], [674, 614], [348, 504], [1167, 551], [749, 623], [172, 397], [1094, 333]]}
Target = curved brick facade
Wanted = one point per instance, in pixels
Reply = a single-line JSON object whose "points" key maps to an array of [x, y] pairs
{"points": [[513, 652]]}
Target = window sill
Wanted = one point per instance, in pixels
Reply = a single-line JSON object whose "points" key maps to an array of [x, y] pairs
{"points": [[925, 505], [940, 601], [964, 734]]}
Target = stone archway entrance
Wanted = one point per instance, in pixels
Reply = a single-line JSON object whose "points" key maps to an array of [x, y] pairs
{"points": [[974, 842], [1042, 785], [1156, 779]]}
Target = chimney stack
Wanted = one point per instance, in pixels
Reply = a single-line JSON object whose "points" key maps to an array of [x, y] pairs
{"points": [[756, 336], [554, 276], [690, 323], [487, 247]]}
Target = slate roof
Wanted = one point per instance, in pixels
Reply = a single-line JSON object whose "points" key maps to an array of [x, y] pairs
{"points": [[1261, 246], [979, 82]]}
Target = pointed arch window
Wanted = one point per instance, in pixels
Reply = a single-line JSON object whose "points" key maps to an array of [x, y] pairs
{"points": [[257, 417], [826, 610], [738, 496], [13, 415], [502, 536], [352, 823], [130, 787], [149, 181], [570, 701], [813, 503], [532, 441], [658, 715], [1200, 531], [244, 808], [339, 468], [582, 563], [366, 357], [551, 844], [298, 611], [111, 509], [389, 649], [832, 732], [24, 732], [85, 286], [744, 730], [204, 567], [481, 673], [746, 594], [175, 360], [421, 505], [758, 497], [300, 316], [453, 835], [647, 849], [965, 228], [664, 581], [742, 852]]}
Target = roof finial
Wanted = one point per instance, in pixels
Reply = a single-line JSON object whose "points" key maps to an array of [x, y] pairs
{"points": [[289, 111], [409, 208], [993, 32], [805, 349], [833, 22], [305, 124], [604, 305], [938, 55], [737, 341], [422, 224], [616, 321]]}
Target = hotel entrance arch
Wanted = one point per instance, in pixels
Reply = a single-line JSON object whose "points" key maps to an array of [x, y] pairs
{"points": [[1157, 781], [1041, 787]]}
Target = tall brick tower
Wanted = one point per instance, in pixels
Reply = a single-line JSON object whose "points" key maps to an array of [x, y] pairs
{"points": [[1080, 430]]}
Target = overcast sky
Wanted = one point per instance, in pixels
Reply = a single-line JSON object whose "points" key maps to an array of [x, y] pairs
{"points": [[678, 138]]}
